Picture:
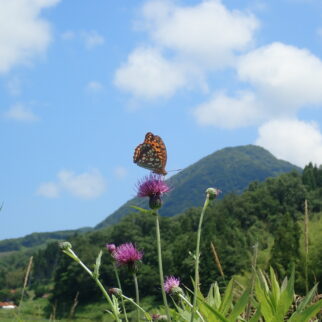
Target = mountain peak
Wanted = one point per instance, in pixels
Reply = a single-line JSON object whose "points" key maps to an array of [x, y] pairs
{"points": [[230, 169]]}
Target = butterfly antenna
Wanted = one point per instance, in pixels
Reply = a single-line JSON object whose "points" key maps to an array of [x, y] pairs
{"points": [[175, 170]]}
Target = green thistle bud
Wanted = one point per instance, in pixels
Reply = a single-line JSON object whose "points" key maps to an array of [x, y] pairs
{"points": [[212, 193], [65, 245]]}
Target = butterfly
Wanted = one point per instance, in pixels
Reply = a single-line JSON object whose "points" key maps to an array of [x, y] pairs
{"points": [[151, 154]]}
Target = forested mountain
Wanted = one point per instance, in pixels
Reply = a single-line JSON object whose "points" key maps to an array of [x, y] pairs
{"points": [[230, 169]]}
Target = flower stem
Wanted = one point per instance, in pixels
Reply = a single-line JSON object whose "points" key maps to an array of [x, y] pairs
{"points": [[189, 304], [120, 287], [71, 254], [157, 225], [137, 295], [196, 286], [137, 306]]}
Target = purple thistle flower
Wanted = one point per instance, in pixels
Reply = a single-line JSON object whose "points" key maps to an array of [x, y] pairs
{"points": [[127, 255], [111, 248], [153, 186], [171, 283]]}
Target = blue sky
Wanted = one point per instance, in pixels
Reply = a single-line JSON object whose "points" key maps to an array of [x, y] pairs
{"points": [[81, 82]]}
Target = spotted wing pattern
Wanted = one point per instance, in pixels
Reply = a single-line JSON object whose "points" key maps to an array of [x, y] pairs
{"points": [[151, 154]]}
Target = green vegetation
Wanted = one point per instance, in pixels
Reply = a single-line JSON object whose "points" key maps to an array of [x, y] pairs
{"points": [[269, 213]]}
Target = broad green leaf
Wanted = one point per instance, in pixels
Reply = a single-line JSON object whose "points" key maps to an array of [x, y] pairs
{"points": [[239, 306], [306, 314], [275, 294], [266, 308], [227, 298], [215, 313], [308, 298], [286, 298]]}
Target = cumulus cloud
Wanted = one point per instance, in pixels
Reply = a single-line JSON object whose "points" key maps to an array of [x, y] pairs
{"points": [[148, 74], [286, 75], [48, 189], [229, 112], [185, 42], [87, 185], [293, 140], [19, 112], [92, 39], [207, 32], [23, 33]]}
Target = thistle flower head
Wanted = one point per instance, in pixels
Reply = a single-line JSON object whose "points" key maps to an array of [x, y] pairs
{"points": [[152, 186], [110, 248], [171, 285], [127, 255]]}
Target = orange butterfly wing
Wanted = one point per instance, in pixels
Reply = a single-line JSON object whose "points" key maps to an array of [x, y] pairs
{"points": [[151, 154]]}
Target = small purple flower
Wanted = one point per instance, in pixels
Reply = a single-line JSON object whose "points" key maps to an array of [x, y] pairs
{"points": [[127, 255], [153, 186], [111, 248], [171, 283]]}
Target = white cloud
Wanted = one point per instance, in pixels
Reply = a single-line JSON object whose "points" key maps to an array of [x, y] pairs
{"points": [[147, 74], [120, 172], [23, 33], [92, 39], [207, 32], [286, 76], [197, 38], [230, 112], [48, 189], [293, 140], [19, 112], [86, 185], [94, 86]]}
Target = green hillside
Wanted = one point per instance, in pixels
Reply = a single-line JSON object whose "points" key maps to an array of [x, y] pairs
{"points": [[37, 239], [230, 169]]}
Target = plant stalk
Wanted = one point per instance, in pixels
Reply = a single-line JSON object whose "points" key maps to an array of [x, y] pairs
{"points": [[165, 302], [196, 284], [137, 298], [120, 287]]}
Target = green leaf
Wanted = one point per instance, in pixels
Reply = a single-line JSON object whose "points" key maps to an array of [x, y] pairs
{"points": [[227, 298], [146, 211], [286, 298], [239, 306], [264, 300], [307, 314], [307, 299], [214, 312], [97, 265], [276, 292]]}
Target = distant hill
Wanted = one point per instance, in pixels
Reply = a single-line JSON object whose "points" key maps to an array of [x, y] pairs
{"points": [[38, 239], [231, 170]]}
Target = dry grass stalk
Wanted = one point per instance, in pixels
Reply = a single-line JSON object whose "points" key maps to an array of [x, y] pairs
{"points": [[73, 308], [306, 243], [26, 279], [216, 258]]}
